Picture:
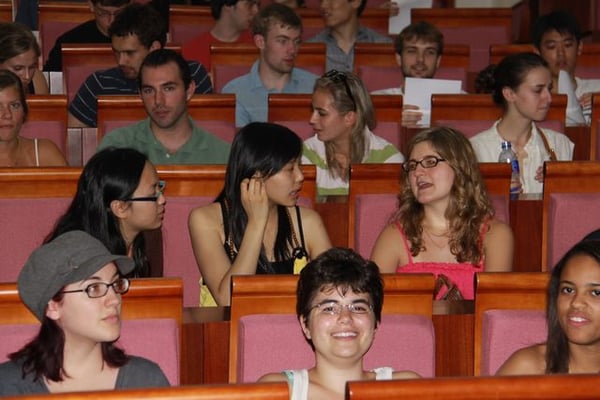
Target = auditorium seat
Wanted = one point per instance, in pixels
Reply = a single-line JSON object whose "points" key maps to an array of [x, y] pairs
{"points": [[570, 206], [502, 298], [47, 119], [274, 342], [276, 294]]}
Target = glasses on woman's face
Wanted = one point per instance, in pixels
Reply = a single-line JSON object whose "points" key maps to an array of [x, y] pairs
{"points": [[100, 289], [426, 162], [335, 308], [338, 76], [160, 188], [104, 13]]}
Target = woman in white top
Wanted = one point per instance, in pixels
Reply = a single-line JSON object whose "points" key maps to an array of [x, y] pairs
{"points": [[338, 303], [522, 84], [343, 117]]}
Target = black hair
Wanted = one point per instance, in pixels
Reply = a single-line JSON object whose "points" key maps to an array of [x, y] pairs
{"points": [[142, 20], [560, 21], [161, 57]]}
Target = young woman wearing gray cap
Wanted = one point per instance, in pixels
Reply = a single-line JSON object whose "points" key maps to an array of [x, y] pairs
{"points": [[67, 285]]}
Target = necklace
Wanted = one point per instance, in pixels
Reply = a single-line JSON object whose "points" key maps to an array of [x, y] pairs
{"points": [[430, 235]]}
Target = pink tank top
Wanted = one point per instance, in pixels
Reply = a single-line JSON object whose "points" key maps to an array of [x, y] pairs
{"points": [[462, 274]]}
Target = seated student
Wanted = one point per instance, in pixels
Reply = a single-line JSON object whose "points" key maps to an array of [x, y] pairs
{"points": [[419, 49], [92, 31], [522, 84], [342, 118], [571, 310], [277, 31], [118, 197], [343, 30], [16, 150], [135, 32], [19, 53], [73, 285], [431, 231], [168, 135], [255, 225], [557, 38], [338, 292], [232, 19]]}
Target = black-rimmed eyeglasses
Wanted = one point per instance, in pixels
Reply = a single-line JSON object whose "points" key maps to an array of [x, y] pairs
{"points": [[426, 162], [338, 76], [100, 289], [160, 188]]}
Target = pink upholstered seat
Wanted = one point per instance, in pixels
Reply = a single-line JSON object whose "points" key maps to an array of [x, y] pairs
{"points": [[301, 128], [506, 331], [274, 342], [56, 131], [377, 77], [372, 213], [50, 31], [390, 131], [154, 339], [25, 224], [570, 217], [178, 256], [486, 36]]}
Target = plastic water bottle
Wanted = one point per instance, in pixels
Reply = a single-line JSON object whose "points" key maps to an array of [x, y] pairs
{"points": [[507, 155]]}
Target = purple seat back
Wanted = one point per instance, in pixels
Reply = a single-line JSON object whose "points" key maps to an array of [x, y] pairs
{"points": [[274, 342], [506, 331], [23, 230], [570, 217]]}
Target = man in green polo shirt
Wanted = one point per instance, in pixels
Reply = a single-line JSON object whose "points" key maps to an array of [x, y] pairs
{"points": [[168, 135]]}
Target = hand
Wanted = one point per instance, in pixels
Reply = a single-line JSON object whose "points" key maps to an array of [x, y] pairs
{"points": [[539, 174], [254, 199], [410, 116]]}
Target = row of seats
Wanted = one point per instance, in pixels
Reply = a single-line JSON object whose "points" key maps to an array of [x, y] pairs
{"points": [[569, 203], [216, 113]]}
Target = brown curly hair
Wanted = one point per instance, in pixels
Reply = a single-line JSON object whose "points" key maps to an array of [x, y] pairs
{"points": [[469, 207]]}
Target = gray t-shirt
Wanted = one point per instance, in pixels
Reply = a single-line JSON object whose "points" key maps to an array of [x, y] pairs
{"points": [[137, 373]]}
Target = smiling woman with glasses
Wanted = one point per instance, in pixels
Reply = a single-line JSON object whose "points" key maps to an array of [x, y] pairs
{"points": [[73, 286], [119, 196], [338, 302], [445, 222], [343, 118]]}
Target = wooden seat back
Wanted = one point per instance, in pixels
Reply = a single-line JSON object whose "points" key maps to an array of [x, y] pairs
{"points": [[57, 17], [505, 291], [246, 391], [47, 118], [187, 22], [276, 294], [548, 387], [6, 11], [567, 178], [595, 128]]}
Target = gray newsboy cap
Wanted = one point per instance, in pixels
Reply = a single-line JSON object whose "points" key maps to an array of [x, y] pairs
{"points": [[69, 258]]}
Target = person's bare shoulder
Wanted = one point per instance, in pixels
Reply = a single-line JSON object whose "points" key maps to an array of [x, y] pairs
{"points": [[273, 377], [405, 375], [50, 154], [526, 361]]}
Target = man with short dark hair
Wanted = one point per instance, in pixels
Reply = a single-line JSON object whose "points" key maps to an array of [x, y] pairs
{"points": [[168, 135], [557, 38], [232, 19], [277, 33], [136, 31], [343, 30]]}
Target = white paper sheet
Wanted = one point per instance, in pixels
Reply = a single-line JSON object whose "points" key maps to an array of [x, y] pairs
{"points": [[418, 91], [574, 112], [402, 20]]}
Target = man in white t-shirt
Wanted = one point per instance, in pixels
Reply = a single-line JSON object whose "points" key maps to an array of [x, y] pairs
{"points": [[557, 38], [419, 50]]}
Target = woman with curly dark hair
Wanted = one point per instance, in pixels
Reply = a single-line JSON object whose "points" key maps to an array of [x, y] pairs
{"points": [[445, 218]]}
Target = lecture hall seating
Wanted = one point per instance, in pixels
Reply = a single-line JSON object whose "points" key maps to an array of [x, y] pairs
{"points": [[276, 294], [6, 11], [47, 118], [504, 300], [231, 60], [570, 206], [595, 129], [375, 64]]}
